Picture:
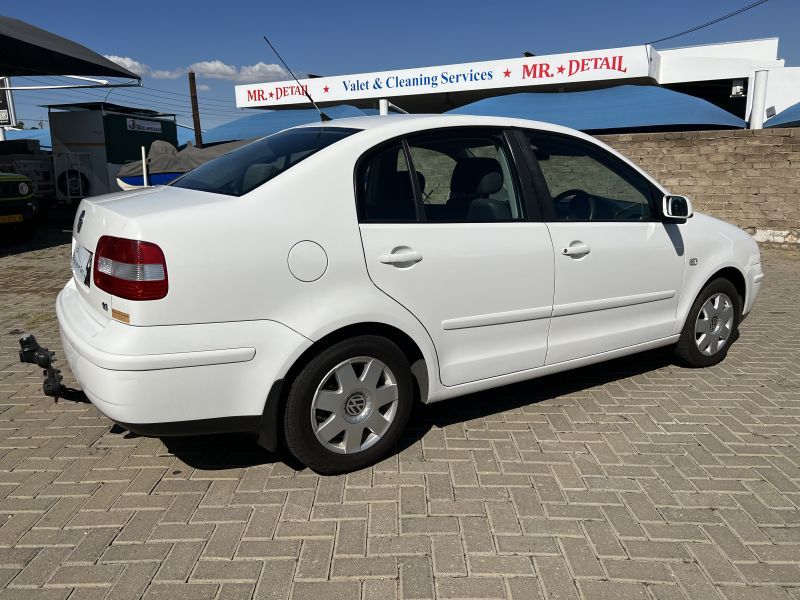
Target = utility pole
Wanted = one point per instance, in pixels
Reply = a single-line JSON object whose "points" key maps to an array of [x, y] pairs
{"points": [[198, 134], [7, 116]]}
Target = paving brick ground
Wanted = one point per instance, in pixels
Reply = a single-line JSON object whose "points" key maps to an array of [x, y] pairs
{"points": [[633, 479]]}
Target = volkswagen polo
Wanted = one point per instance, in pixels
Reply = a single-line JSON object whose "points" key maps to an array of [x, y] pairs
{"points": [[307, 288]]}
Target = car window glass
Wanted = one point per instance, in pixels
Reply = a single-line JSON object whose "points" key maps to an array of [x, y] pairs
{"points": [[250, 166], [465, 176], [385, 192], [589, 184]]}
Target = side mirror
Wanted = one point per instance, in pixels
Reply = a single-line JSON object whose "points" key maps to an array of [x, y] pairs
{"points": [[677, 207]]}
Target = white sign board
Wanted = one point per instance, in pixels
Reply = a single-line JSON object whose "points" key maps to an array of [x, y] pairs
{"points": [[555, 69], [142, 125]]}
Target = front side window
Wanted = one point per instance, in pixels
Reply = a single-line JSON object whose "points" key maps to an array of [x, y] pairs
{"points": [[589, 184], [246, 168]]}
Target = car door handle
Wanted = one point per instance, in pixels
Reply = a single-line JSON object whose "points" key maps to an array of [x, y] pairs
{"points": [[400, 258], [576, 249]]}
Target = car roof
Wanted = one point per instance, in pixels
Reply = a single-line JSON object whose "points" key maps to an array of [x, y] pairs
{"points": [[384, 127], [431, 121]]}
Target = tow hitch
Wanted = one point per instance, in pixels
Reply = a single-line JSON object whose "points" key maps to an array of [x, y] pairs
{"points": [[31, 352]]}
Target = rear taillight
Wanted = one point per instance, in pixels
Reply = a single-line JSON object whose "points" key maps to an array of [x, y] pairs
{"points": [[130, 269]]}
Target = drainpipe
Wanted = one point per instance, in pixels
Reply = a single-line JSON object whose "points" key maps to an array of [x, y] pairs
{"points": [[383, 106], [758, 106]]}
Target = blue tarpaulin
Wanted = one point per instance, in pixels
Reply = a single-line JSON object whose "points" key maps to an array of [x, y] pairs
{"points": [[786, 118], [267, 122], [43, 135], [622, 107]]}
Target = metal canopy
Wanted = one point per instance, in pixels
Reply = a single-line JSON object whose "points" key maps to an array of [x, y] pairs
{"points": [[26, 50], [109, 107]]}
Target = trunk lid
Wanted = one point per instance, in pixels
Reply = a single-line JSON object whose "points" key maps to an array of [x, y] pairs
{"points": [[123, 215], [93, 219]]}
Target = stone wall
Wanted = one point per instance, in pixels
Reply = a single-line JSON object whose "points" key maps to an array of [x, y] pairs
{"points": [[750, 178]]}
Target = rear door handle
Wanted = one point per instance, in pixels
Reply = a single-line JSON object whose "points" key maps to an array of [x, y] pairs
{"points": [[401, 259], [576, 249]]}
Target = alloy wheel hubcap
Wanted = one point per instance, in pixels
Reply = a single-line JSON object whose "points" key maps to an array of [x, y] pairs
{"points": [[354, 405], [714, 324]]}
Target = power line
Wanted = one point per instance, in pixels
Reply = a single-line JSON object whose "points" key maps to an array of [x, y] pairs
{"points": [[142, 89], [712, 22], [143, 101]]}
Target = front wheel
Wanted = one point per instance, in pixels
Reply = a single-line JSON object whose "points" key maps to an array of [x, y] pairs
{"points": [[349, 405], [711, 325]]}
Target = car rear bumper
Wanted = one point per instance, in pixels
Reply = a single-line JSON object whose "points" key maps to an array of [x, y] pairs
{"points": [[180, 379]]}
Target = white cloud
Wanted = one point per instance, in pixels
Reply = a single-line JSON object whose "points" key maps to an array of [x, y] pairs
{"points": [[167, 74], [262, 72], [129, 63], [208, 69], [203, 87], [214, 69]]}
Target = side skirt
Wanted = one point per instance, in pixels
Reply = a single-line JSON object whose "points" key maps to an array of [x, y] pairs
{"points": [[443, 393]]}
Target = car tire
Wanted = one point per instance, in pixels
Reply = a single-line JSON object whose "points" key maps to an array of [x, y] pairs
{"points": [[711, 326], [349, 405]]}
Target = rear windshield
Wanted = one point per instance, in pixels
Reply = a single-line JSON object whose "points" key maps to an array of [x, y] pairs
{"points": [[250, 166]]}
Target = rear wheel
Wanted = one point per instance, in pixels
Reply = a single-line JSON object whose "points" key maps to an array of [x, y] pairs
{"points": [[711, 325], [349, 405]]}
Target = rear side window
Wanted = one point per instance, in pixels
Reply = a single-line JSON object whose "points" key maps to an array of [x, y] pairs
{"points": [[246, 168], [454, 175], [465, 176]]}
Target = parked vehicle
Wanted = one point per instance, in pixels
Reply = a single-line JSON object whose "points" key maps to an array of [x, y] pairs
{"points": [[19, 211], [311, 285]]}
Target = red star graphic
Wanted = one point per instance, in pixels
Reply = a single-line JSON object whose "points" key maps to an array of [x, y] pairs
{"points": [[560, 69], [271, 94], [325, 89], [506, 73]]}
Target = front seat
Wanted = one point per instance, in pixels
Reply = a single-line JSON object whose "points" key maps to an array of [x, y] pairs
{"points": [[473, 178]]}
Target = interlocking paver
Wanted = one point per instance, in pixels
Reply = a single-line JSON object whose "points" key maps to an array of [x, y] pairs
{"points": [[631, 479]]}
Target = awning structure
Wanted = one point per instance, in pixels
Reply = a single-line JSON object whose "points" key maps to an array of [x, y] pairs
{"points": [[29, 51], [787, 118], [623, 108]]}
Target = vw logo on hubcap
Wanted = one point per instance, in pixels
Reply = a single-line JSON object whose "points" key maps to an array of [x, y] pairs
{"points": [[355, 404]]}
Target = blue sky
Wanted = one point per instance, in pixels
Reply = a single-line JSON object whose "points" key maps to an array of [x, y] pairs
{"points": [[350, 37]]}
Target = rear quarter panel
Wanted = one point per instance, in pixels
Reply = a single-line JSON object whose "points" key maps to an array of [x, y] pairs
{"points": [[227, 257]]}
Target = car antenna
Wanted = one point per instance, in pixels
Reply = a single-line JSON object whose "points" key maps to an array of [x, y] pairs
{"points": [[322, 116]]}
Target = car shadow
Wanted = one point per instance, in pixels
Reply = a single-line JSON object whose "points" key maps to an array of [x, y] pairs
{"points": [[216, 452], [525, 393]]}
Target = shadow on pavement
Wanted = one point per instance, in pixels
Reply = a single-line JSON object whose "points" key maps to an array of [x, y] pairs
{"points": [[214, 452], [55, 230]]}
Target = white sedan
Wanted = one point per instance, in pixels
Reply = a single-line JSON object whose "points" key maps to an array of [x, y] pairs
{"points": [[312, 285]]}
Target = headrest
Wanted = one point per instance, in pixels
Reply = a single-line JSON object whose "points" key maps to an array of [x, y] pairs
{"points": [[402, 183], [480, 176], [421, 180], [256, 175], [397, 202]]}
